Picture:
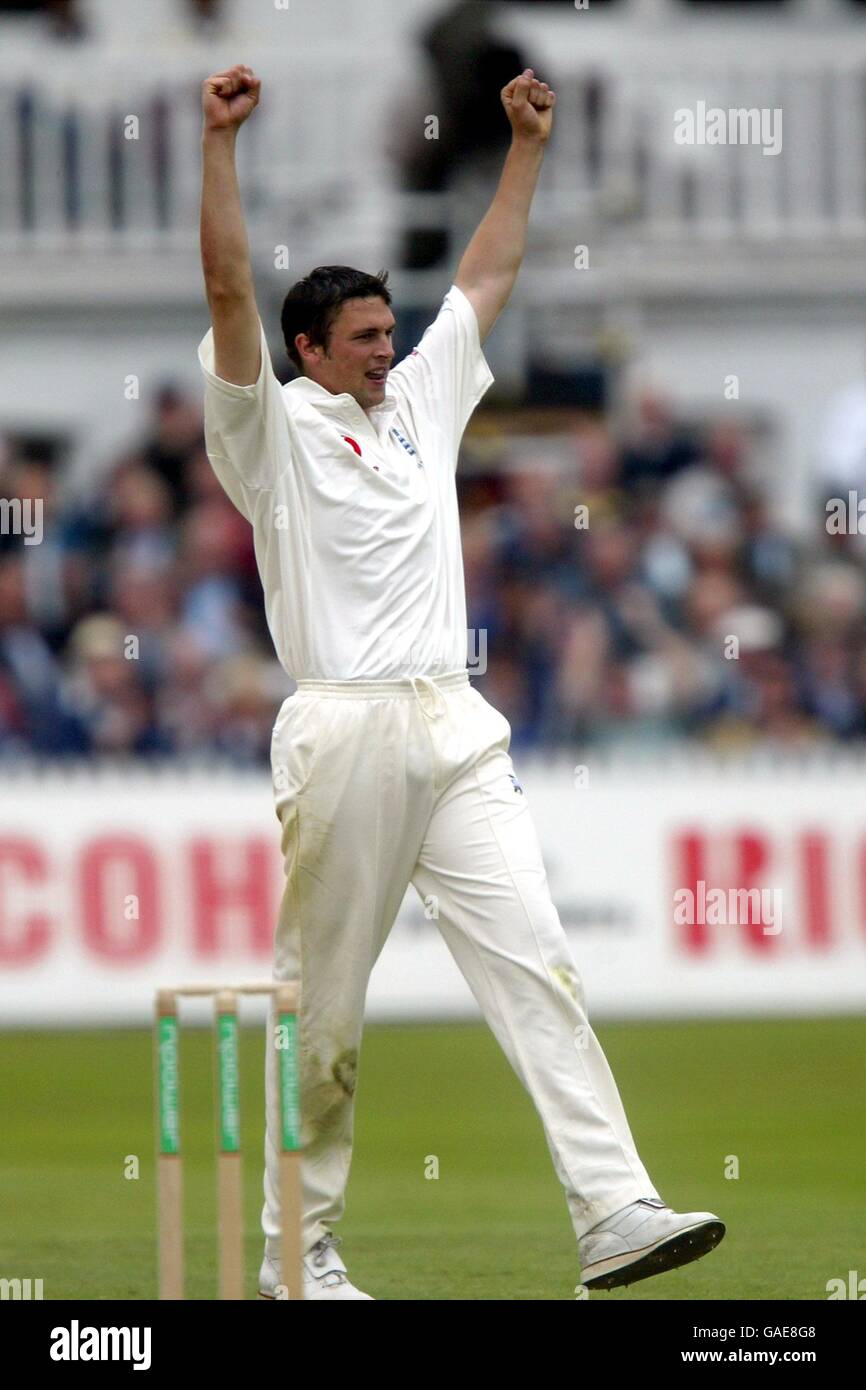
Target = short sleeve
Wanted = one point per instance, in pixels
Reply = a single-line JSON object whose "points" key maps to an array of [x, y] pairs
{"points": [[447, 374], [246, 428]]}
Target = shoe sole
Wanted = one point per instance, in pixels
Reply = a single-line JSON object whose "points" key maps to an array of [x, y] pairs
{"points": [[269, 1297], [676, 1250]]}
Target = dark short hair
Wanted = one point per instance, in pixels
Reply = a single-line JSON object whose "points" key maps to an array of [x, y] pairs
{"points": [[312, 305]]}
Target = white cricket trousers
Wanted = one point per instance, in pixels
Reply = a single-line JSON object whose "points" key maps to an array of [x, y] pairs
{"points": [[379, 784]]}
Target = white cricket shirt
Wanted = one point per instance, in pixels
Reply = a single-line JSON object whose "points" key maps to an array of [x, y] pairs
{"points": [[354, 512]]}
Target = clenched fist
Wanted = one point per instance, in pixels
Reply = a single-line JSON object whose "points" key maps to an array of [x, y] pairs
{"points": [[228, 98], [529, 107]]}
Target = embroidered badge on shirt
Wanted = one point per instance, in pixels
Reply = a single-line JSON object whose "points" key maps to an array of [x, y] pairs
{"points": [[410, 449]]}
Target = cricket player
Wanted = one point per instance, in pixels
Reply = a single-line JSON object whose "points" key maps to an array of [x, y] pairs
{"points": [[389, 768]]}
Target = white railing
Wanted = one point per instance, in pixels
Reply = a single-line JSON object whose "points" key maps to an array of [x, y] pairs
{"points": [[76, 171], [116, 164]]}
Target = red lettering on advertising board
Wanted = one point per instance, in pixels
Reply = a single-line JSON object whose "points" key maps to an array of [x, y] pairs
{"points": [[219, 889], [690, 869], [115, 869], [23, 942], [751, 858], [817, 910], [729, 866]]}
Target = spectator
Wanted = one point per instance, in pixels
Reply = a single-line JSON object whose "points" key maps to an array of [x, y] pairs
{"points": [[103, 695], [177, 433], [657, 447], [206, 17], [468, 68], [65, 21]]}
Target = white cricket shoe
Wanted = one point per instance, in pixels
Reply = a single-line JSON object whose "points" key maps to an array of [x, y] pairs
{"points": [[325, 1274], [647, 1237]]}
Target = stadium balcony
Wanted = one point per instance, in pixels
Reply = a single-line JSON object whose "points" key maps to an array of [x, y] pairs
{"points": [[93, 174]]}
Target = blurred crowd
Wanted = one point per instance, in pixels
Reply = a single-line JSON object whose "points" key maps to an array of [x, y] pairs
{"points": [[680, 608], [136, 626], [673, 605]]}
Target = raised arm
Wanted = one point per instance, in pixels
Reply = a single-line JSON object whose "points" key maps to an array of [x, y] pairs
{"points": [[228, 98], [489, 267]]}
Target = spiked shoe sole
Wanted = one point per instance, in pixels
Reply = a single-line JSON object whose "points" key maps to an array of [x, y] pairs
{"points": [[676, 1250]]}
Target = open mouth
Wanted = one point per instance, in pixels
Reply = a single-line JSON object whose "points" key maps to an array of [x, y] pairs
{"points": [[380, 375]]}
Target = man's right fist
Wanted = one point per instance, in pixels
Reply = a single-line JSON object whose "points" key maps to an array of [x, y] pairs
{"points": [[229, 97]]}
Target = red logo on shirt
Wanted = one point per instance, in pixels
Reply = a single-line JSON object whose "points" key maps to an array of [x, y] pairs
{"points": [[356, 446]]}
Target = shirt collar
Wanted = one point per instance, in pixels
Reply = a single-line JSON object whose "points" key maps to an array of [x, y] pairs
{"points": [[341, 404]]}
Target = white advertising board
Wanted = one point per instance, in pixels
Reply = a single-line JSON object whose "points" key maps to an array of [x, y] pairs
{"points": [[115, 883]]}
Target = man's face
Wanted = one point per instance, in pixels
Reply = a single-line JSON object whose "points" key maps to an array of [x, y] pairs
{"points": [[359, 352]]}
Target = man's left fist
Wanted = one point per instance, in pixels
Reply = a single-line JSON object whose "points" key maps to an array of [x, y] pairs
{"points": [[529, 107]]}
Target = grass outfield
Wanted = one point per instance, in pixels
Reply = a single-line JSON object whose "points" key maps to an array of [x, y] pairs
{"points": [[785, 1097]]}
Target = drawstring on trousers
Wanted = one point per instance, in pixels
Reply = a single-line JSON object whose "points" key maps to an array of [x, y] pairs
{"points": [[438, 697]]}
